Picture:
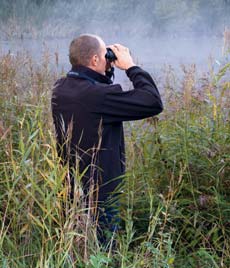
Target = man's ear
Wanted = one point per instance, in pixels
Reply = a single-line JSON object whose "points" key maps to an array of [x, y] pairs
{"points": [[94, 60]]}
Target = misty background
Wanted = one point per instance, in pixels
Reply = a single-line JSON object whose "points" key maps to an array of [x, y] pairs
{"points": [[158, 33]]}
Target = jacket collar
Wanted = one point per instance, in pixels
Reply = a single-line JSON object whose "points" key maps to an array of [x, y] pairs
{"points": [[92, 74]]}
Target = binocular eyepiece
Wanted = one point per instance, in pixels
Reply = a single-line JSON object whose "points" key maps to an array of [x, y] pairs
{"points": [[110, 56]]}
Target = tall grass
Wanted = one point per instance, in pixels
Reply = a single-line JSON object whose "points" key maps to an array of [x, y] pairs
{"points": [[175, 205]]}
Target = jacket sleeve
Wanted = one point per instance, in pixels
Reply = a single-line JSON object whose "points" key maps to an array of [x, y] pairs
{"points": [[141, 102]]}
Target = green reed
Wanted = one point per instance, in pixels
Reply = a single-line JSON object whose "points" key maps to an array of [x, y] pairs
{"points": [[175, 205]]}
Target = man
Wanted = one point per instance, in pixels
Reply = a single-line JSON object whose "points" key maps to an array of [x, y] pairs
{"points": [[88, 111]]}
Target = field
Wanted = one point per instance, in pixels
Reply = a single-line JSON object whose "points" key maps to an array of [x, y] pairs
{"points": [[176, 202]]}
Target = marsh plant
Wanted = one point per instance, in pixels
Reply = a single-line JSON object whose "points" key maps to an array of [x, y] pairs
{"points": [[176, 193]]}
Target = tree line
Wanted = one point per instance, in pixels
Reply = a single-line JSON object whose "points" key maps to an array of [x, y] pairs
{"points": [[146, 17]]}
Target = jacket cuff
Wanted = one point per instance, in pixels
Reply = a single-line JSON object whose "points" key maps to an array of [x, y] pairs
{"points": [[131, 69]]}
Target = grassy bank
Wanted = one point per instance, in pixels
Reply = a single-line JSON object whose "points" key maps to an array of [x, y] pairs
{"points": [[176, 200]]}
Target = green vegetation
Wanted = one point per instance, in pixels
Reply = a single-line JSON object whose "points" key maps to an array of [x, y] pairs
{"points": [[65, 18], [176, 200]]}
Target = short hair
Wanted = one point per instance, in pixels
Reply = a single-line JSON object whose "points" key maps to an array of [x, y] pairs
{"points": [[83, 48]]}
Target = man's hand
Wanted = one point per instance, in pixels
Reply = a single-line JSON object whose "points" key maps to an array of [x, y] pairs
{"points": [[124, 60]]}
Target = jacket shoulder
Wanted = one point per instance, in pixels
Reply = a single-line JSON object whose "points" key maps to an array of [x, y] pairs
{"points": [[59, 82]]}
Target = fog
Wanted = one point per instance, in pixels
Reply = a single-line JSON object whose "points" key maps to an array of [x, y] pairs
{"points": [[158, 33]]}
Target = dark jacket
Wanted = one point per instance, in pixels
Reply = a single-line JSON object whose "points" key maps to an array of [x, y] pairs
{"points": [[90, 111]]}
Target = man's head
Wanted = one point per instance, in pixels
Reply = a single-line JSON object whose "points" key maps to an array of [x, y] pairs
{"points": [[88, 50]]}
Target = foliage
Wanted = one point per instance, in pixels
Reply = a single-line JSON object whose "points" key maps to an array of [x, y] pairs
{"points": [[49, 18], [175, 206]]}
